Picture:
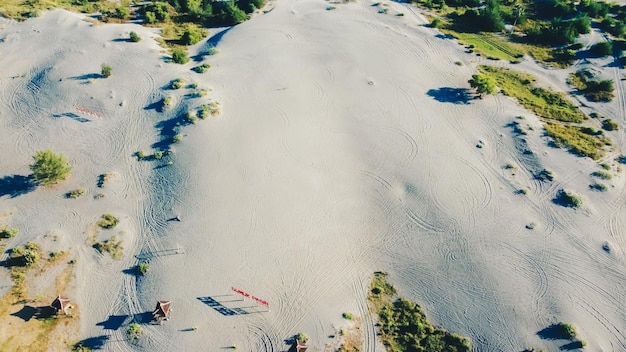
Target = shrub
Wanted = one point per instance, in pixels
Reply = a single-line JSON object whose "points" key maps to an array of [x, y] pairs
{"points": [[191, 36], [158, 155], [568, 199], [602, 174], [24, 256], [133, 331], [111, 246], [545, 175], [177, 83], [212, 51], [610, 125], [49, 168], [179, 56], [483, 84], [121, 12], [302, 337], [177, 138], [190, 117], [140, 154], [601, 49], [105, 71], [76, 193], [201, 68], [597, 187], [134, 37], [566, 330], [108, 221], [347, 315], [142, 268], [167, 101], [8, 233]]}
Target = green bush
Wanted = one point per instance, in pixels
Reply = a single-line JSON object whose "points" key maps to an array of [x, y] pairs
{"points": [[133, 331], [566, 330], [111, 246], [483, 84], [212, 51], [27, 255], [598, 187], [201, 68], [49, 168], [76, 193], [601, 49], [121, 12], [610, 125], [134, 37], [140, 155], [158, 155], [142, 268], [105, 71], [177, 138], [191, 36], [602, 175], [302, 337], [190, 117], [569, 199], [8, 233], [177, 83], [179, 56], [108, 221], [347, 315]]}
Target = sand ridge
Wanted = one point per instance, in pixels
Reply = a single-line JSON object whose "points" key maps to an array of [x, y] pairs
{"points": [[338, 152]]}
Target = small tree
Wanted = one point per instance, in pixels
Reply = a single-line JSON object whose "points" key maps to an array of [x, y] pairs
{"points": [[105, 70], [49, 167], [134, 37], [133, 331], [142, 268], [179, 56], [482, 84], [602, 49]]}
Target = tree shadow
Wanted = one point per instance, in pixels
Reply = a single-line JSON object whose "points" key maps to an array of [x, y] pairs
{"points": [[571, 346], [93, 343], [121, 40], [40, 313], [16, 185], [86, 76], [114, 322], [212, 42], [451, 95], [552, 332]]}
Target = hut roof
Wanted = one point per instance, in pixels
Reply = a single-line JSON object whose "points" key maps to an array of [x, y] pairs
{"points": [[300, 346], [162, 309], [60, 303]]}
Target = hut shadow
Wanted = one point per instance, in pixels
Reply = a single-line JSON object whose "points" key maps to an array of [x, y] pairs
{"points": [[144, 318], [40, 313], [226, 311], [114, 322], [92, 343], [86, 76], [72, 116], [450, 95], [16, 185]]}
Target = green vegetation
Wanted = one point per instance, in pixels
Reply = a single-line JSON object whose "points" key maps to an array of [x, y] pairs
{"points": [[201, 68], [566, 330], [25, 256], [211, 109], [192, 35], [105, 71], [108, 221], [177, 138], [403, 324], [602, 175], [568, 199], [134, 37], [76, 193], [601, 49], [593, 90], [49, 168], [140, 154], [111, 246], [347, 315], [489, 45], [545, 175], [6, 232], [302, 337], [190, 117], [212, 51], [167, 101], [133, 331], [577, 139], [543, 102], [610, 125], [483, 84], [179, 56], [600, 187], [177, 83], [142, 268], [158, 155]]}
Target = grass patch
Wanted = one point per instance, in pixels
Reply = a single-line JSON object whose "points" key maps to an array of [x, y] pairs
{"points": [[557, 58], [108, 221], [610, 125], [178, 83], [177, 138], [489, 45], [403, 326], [568, 199], [6, 232], [211, 109], [599, 187], [543, 102], [201, 68], [593, 90], [347, 315], [577, 139], [602, 175], [111, 246], [76, 193]]}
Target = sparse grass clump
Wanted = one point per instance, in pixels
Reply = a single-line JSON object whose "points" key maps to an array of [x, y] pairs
{"points": [[545, 175], [76, 193], [594, 90], [190, 117], [566, 330], [6, 232], [347, 315], [579, 140], [212, 51], [302, 337], [211, 109], [600, 187], [111, 246], [568, 199], [158, 155], [108, 221], [105, 71], [134, 37], [177, 83], [140, 154], [102, 179], [180, 56], [177, 138], [142, 268], [167, 101], [133, 331], [25, 256], [486, 44], [602, 175]]}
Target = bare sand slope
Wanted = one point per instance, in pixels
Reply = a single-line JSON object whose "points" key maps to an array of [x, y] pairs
{"points": [[347, 144]]}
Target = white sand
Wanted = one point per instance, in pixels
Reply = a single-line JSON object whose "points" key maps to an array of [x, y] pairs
{"points": [[332, 159]]}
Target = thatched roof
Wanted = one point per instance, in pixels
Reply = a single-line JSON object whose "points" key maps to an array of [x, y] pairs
{"points": [[300, 346], [162, 310], [61, 303]]}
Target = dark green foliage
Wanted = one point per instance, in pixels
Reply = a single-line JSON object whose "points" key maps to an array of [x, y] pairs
{"points": [[610, 125], [201, 68], [570, 200], [601, 49], [566, 330], [108, 221], [554, 9], [302, 337], [191, 36], [593, 90], [121, 12], [133, 331], [487, 19], [483, 84], [180, 56], [134, 37], [248, 6], [598, 187], [602, 174], [594, 9], [24, 256], [556, 32], [8, 233], [105, 71], [156, 12], [462, 3], [49, 168]]}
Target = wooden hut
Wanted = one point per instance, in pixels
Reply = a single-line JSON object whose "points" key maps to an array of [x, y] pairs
{"points": [[162, 311], [61, 304], [300, 346]]}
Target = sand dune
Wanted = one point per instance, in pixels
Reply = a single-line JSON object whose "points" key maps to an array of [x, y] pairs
{"points": [[346, 145]]}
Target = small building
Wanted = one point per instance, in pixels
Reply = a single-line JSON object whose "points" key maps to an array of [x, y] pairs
{"points": [[162, 311], [300, 346], [61, 304]]}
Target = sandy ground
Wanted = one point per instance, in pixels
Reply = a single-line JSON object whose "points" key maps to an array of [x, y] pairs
{"points": [[345, 146]]}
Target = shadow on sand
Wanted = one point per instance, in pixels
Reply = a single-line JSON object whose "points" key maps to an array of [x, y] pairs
{"points": [[40, 313], [451, 95], [114, 322], [16, 185]]}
